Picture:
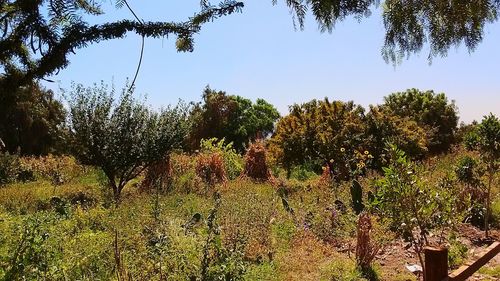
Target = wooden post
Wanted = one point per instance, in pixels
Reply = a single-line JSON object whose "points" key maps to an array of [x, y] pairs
{"points": [[436, 264]]}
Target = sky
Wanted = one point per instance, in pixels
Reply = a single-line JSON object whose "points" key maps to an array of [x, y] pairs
{"points": [[259, 54]]}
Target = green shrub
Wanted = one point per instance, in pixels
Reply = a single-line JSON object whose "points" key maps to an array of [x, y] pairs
{"points": [[413, 206], [302, 172], [341, 269], [9, 168], [457, 252], [233, 162]]}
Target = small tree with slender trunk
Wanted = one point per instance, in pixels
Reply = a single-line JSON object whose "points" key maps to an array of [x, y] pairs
{"points": [[486, 140], [122, 136]]}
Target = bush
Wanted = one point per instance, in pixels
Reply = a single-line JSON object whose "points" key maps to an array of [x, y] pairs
{"points": [[57, 169], [9, 168], [366, 250], [256, 163], [413, 206], [210, 168], [457, 252], [233, 163], [158, 175], [302, 173]]}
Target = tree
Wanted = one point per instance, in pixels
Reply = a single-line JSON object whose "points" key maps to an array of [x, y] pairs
{"points": [[382, 127], [412, 206], [37, 37], [123, 137], [319, 132], [486, 140], [233, 118], [432, 112], [31, 120], [409, 24]]}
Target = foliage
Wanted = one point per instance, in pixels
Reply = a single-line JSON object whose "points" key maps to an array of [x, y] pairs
{"points": [[57, 169], [384, 127], [408, 26], [233, 118], [158, 176], [256, 162], [341, 270], [316, 132], [32, 121], [31, 255], [486, 140], [432, 112], [357, 197], [123, 137], [39, 36], [471, 194], [233, 162], [219, 262], [412, 206], [9, 167], [303, 172], [211, 169], [457, 252]]}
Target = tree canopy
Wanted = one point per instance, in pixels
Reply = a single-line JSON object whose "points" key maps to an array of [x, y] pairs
{"points": [[122, 136], [431, 111], [32, 120], [409, 25], [36, 37], [234, 118]]}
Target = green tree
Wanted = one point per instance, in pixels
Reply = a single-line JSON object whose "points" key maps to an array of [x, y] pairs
{"points": [[233, 118], [412, 206], [37, 37], [123, 137], [384, 127], [486, 140], [409, 25], [31, 120], [433, 112], [320, 132]]}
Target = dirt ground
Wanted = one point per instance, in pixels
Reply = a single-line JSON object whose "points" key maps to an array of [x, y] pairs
{"points": [[394, 257]]}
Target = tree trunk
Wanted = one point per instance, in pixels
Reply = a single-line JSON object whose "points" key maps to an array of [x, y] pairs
{"points": [[488, 203]]}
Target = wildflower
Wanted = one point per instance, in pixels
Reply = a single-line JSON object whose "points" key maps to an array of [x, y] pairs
{"points": [[331, 160], [366, 152], [342, 149]]}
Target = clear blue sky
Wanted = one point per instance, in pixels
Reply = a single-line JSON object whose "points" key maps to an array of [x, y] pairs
{"points": [[258, 54]]}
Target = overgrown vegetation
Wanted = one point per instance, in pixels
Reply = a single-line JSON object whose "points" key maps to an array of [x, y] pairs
{"points": [[333, 194]]}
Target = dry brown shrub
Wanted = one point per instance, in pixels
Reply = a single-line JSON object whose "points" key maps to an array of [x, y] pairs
{"points": [[326, 177], [182, 164], [58, 169], [366, 249], [256, 166], [158, 175], [210, 168]]}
